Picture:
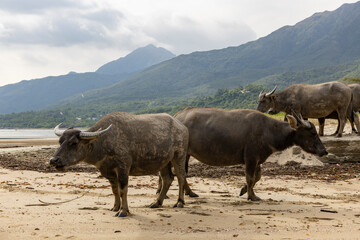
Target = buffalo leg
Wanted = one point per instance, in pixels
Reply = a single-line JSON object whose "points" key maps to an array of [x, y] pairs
{"points": [[251, 168], [187, 189], [123, 179], [342, 120], [257, 178], [166, 179], [337, 129], [158, 190], [357, 124], [111, 176], [321, 126], [114, 188], [179, 163]]}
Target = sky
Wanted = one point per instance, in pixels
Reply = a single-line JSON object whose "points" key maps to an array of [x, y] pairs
{"points": [[40, 38]]}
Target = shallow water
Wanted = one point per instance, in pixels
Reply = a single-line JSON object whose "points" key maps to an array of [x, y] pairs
{"points": [[26, 133]]}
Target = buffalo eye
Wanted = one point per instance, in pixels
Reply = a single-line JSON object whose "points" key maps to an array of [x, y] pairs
{"points": [[73, 141]]}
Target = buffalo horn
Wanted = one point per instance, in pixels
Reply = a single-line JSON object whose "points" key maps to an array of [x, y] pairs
{"points": [[57, 130], [92, 135], [300, 119], [262, 91], [271, 92]]}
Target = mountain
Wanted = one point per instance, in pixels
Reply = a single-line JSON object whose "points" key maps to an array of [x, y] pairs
{"points": [[137, 60], [324, 40], [41, 93]]}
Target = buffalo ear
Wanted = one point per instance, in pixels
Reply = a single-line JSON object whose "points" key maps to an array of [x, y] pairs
{"points": [[292, 121]]}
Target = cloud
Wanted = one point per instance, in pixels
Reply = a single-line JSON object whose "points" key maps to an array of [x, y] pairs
{"points": [[37, 6], [67, 23], [184, 35], [61, 28]]}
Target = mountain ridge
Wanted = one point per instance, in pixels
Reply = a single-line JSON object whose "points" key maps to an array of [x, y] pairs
{"points": [[137, 60], [41, 93], [323, 39]]}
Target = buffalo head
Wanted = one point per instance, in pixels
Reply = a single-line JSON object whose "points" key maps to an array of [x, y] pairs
{"points": [[306, 136], [74, 146], [266, 100]]}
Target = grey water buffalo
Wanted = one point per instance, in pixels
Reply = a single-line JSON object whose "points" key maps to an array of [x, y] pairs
{"points": [[310, 101], [223, 138], [355, 89], [128, 145], [352, 110]]}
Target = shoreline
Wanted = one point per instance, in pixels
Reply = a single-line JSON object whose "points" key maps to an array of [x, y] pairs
{"points": [[26, 142]]}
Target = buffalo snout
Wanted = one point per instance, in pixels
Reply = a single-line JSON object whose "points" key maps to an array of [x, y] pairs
{"points": [[55, 161], [323, 153]]}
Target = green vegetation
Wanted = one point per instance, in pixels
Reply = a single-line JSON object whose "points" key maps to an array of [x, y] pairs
{"points": [[346, 71], [85, 116], [352, 79], [228, 99]]}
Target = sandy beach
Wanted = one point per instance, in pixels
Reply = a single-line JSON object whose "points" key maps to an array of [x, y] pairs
{"points": [[303, 200]]}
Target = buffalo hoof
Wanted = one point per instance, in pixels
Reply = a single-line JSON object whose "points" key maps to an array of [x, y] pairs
{"points": [[122, 214], [179, 204], [243, 190], [192, 194], [254, 199], [155, 204]]}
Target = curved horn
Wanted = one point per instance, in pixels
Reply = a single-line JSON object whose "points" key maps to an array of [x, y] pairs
{"points": [[300, 119], [262, 91], [57, 130], [93, 135], [271, 92]]}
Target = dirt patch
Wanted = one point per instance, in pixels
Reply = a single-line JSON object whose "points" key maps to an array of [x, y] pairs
{"points": [[39, 161]]}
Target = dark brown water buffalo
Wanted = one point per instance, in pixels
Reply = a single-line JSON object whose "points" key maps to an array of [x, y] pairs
{"points": [[223, 138], [311, 101], [129, 145]]}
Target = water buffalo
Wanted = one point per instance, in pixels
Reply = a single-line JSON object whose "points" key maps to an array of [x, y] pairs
{"points": [[223, 138], [311, 101], [353, 118], [355, 89], [129, 145]]}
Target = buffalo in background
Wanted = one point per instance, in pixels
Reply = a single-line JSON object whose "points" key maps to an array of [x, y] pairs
{"points": [[312, 101]]}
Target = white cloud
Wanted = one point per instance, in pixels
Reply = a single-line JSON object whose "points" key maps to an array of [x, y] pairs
{"points": [[183, 34]]}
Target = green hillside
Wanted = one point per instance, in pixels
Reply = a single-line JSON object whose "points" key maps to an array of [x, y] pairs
{"points": [[312, 76], [241, 97]]}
